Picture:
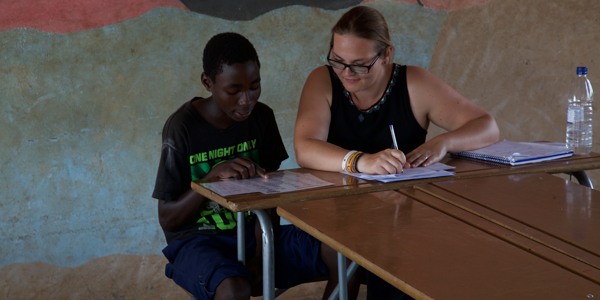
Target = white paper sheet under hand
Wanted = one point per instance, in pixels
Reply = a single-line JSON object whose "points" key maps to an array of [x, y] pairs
{"points": [[434, 170], [280, 182]]}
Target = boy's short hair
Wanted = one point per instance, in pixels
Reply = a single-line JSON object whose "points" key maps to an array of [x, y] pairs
{"points": [[226, 48]]}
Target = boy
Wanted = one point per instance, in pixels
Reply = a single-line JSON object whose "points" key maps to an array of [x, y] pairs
{"points": [[227, 135]]}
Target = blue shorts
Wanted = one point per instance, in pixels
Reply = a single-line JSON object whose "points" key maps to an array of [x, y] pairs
{"points": [[200, 263]]}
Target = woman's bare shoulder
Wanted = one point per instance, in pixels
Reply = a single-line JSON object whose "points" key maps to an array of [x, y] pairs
{"points": [[416, 73], [423, 83], [319, 75], [318, 84]]}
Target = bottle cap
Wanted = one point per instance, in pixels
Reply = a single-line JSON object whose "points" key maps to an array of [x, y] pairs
{"points": [[581, 70]]}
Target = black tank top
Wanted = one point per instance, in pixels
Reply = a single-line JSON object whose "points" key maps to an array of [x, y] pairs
{"points": [[368, 130]]}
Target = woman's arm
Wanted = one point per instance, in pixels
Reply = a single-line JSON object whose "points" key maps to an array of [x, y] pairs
{"points": [[469, 126], [311, 132], [312, 125]]}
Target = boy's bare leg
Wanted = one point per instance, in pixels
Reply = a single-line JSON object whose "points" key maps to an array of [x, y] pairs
{"points": [[233, 288], [329, 257]]}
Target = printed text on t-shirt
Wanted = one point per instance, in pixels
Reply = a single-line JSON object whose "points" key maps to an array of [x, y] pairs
{"points": [[222, 152]]}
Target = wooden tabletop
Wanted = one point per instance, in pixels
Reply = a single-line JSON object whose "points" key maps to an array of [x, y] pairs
{"points": [[432, 248], [344, 185], [562, 215]]}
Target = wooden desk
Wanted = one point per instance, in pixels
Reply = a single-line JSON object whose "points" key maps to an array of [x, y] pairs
{"points": [[346, 185], [558, 214], [431, 248]]}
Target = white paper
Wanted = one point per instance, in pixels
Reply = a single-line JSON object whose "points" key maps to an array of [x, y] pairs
{"points": [[280, 182], [438, 166], [434, 170], [413, 177]]}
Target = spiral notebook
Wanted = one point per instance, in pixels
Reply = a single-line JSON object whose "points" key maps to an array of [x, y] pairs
{"points": [[518, 153]]}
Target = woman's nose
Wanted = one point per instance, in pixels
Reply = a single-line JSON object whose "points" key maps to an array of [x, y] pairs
{"points": [[348, 72]]}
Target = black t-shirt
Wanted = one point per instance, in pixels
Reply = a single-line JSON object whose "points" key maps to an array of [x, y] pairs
{"points": [[368, 131], [191, 147]]}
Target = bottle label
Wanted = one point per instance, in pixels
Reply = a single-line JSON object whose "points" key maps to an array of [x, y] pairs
{"points": [[575, 114]]}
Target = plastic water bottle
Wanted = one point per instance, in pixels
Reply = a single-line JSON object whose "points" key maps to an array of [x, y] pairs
{"points": [[579, 115]]}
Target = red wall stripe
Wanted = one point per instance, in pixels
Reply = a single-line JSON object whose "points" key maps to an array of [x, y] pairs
{"points": [[62, 16]]}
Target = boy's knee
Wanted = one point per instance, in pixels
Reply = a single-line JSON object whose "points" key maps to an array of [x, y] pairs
{"points": [[329, 257], [233, 288]]}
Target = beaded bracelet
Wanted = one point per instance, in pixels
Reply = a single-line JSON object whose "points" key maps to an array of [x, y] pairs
{"points": [[351, 162], [346, 159], [355, 166]]}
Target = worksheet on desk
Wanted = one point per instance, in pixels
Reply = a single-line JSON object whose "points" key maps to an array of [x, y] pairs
{"points": [[279, 182], [434, 170]]}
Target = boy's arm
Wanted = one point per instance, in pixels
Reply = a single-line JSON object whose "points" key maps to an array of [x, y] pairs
{"points": [[174, 214]]}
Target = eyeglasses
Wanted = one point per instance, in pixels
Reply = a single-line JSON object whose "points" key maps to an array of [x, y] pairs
{"points": [[354, 68]]}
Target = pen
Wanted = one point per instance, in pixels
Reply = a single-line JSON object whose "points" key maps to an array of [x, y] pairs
{"points": [[394, 139]]}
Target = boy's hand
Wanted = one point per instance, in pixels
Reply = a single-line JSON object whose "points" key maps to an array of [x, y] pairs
{"points": [[238, 168]]}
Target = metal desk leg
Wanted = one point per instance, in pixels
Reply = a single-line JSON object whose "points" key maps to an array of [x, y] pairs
{"points": [[241, 237], [343, 281], [268, 254], [582, 178], [336, 292]]}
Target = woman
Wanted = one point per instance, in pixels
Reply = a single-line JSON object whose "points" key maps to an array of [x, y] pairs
{"points": [[350, 104], [346, 107]]}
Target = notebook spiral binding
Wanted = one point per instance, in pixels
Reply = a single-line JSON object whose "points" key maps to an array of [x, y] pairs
{"points": [[499, 159]]}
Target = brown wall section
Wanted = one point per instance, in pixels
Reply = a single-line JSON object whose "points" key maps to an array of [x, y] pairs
{"points": [[112, 277], [109, 277], [517, 59]]}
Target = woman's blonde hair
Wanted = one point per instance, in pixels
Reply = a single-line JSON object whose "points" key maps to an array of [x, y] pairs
{"points": [[364, 22]]}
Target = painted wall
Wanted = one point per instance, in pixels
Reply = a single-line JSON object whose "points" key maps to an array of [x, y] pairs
{"points": [[83, 110], [517, 59], [85, 92]]}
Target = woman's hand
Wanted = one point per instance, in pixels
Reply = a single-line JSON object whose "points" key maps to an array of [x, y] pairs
{"points": [[430, 152], [389, 161], [238, 168]]}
